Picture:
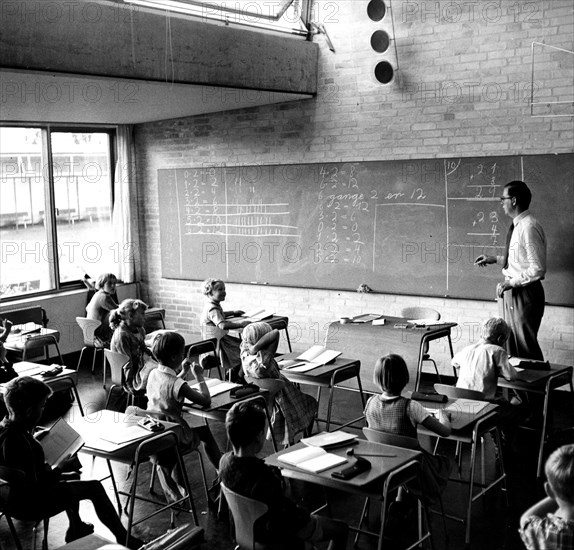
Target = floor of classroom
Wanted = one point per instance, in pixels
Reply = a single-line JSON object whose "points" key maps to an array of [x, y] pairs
{"points": [[494, 526]]}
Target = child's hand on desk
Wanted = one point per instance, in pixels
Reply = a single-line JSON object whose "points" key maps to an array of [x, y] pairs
{"points": [[244, 323], [238, 313]]}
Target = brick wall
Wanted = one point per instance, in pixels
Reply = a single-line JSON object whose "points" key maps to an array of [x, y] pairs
{"points": [[462, 89]]}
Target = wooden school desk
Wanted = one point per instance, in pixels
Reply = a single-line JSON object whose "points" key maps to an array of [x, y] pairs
{"points": [[328, 376], [373, 483], [541, 382], [369, 342], [222, 402], [101, 424], [280, 322], [470, 427], [66, 380], [20, 334]]}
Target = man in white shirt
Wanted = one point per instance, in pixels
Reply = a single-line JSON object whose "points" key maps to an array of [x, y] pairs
{"points": [[524, 267]]}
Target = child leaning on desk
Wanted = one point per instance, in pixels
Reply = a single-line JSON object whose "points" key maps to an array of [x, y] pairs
{"points": [[285, 525], [215, 323], [166, 392], [480, 364], [6, 370], [549, 524], [392, 413], [293, 410]]}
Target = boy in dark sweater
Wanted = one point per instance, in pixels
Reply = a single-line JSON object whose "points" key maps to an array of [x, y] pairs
{"points": [[244, 473]]}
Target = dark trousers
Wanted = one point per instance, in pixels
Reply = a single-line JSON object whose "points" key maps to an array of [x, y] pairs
{"points": [[523, 308]]}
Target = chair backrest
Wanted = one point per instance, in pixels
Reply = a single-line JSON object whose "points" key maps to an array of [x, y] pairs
{"points": [[41, 341], [154, 319], [88, 327], [458, 393], [206, 353], [117, 361], [377, 436], [35, 314], [245, 511], [420, 313]]}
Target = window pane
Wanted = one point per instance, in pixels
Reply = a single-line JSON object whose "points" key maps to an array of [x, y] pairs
{"points": [[26, 257], [82, 189]]}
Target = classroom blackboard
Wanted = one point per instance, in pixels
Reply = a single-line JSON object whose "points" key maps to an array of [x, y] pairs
{"points": [[405, 227]]}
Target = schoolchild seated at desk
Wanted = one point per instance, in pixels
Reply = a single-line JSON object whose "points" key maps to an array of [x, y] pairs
{"points": [[127, 321], [166, 392], [285, 525], [45, 490], [101, 304], [481, 364], [293, 410], [550, 522], [215, 323], [390, 412]]}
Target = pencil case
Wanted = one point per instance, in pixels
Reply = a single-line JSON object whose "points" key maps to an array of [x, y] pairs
{"points": [[434, 397]]}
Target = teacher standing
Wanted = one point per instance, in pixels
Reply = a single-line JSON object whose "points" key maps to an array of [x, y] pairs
{"points": [[523, 268]]}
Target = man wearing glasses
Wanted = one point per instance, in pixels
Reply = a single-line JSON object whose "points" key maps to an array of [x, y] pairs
{"points": [[523, 267]]}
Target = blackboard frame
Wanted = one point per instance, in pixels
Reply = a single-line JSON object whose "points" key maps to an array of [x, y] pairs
{"points": [[549, 177]]}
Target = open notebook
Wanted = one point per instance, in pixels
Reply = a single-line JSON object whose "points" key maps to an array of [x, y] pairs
{"points": [[216, 386], [315, 356], [312, 459]]}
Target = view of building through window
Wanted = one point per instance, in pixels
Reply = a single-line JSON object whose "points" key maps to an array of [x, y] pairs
{"points": [[55, 208]]}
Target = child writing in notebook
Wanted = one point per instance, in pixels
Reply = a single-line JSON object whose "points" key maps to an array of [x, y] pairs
{"points": [[166, 392], [101, 304], [550, 522], [480, 364], [215, 323], [391, 412], [293, 410], [285, 525]]}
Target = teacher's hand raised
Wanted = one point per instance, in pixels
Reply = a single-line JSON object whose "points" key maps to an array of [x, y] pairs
{"points": [[484, 260]]}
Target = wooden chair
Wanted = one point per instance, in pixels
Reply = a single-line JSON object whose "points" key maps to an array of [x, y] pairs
{"points": [[117, 362], [170, 418], [395, 480], [10, 478], [89, 327], [487, 424], [423, 313], [245, 511], [405, 442], [207, 355]]}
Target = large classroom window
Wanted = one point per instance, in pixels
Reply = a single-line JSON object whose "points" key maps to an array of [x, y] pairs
{"points": [[55, 207]]}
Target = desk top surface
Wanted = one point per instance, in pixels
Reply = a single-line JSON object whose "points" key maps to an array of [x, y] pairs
{"points": [[464, 412], [372, 479], [324, 371], [220, 401], [95, 426], [22, 333], [533, 377]]}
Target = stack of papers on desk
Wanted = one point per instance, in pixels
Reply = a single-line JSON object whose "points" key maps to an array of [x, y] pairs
{"points": [[314, 357], [216, 386], [312, 459], [330, 440], [366, 318], [423, 322], [258, 314]]}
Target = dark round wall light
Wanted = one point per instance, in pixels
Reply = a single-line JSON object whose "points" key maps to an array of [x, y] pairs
{"points": [[380, 41], [376, 10]]}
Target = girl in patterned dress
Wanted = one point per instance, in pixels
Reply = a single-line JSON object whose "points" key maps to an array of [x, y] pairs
{"points": [[390, 412], [293, 411]]}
